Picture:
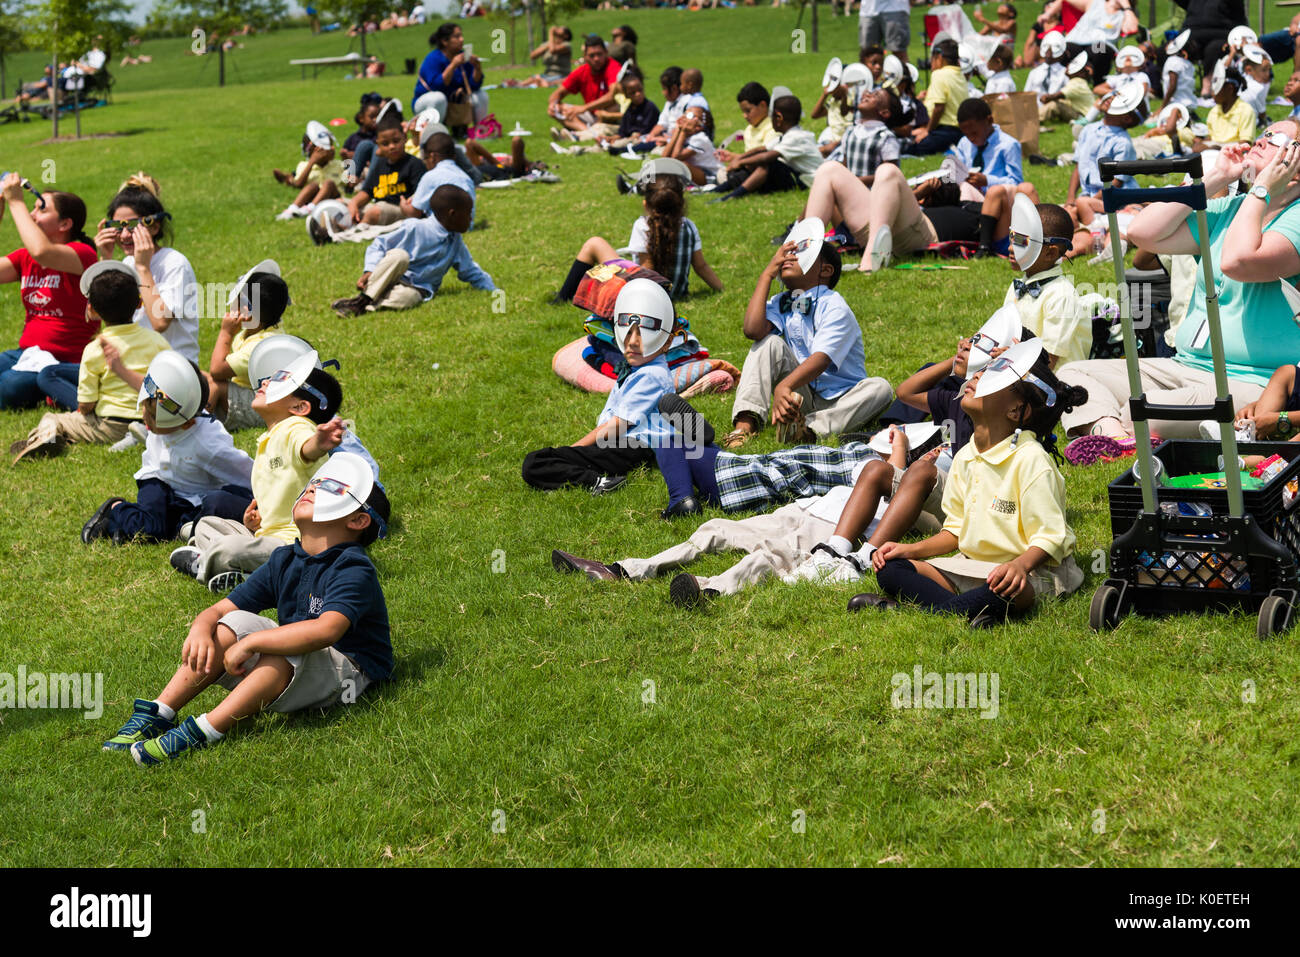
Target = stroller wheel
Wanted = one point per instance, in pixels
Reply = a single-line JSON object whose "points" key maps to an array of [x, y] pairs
{"points": [[1274, 617], [1103, 614]]}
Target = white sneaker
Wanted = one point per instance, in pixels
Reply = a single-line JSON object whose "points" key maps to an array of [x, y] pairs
{"points": [[286, 214], [1210, 430], [224, 581], [185, 560], [824, 567], [135, 435], [299, 212], [882, 249]]}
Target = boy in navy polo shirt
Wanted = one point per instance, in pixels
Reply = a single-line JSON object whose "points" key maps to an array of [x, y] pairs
{"points": [[332, 640], [806, 368]]}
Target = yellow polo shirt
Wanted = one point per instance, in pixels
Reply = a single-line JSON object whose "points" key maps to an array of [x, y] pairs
{"points": [[759, 135], [1054, 317], [949, 88], [280, 473], [241, 350], [1235, 126], [1078, 94], [1005, 500], [97, 384]]}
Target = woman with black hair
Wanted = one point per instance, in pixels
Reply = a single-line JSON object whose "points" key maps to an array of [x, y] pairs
{"points": [[447, 72], [622, 45]]}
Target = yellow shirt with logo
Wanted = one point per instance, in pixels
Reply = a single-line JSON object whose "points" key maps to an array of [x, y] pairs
{"points": [[1054, 316], [241, 350], [280, 473], [96, 382], [1235, 126], [1005, 500], [947, 88]]}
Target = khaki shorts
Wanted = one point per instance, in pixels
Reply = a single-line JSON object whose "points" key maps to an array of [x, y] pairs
{"points": [[320, 679], [388, 214], [239, 409], [965, 574], [914, 237]]}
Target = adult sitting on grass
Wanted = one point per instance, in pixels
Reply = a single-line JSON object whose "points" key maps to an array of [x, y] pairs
{"points": [[594, 80], [557, 60], [447, 73], [55, 252], [1254, 238]]}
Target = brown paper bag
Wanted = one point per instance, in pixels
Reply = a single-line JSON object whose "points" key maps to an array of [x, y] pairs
{"points": [[1017, 114]]}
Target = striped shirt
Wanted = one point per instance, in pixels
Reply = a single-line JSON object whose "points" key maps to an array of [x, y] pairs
{"points": [[688, 241], [866, 145]]}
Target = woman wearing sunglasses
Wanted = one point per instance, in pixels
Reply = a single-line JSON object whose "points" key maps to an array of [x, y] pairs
{"points": [[169, 292], [1255, 241], [54, 253]]}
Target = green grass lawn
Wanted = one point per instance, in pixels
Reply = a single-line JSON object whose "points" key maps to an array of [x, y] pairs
{"points": [[519, 698]]}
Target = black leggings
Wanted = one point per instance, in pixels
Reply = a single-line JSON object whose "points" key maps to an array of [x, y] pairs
{"points": [[901, 579]]}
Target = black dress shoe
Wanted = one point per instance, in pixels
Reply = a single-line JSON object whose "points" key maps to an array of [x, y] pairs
{"points": [[868, 599], [685, 506], [97, 525], [564, 562], [608, 483], [685, 591]]}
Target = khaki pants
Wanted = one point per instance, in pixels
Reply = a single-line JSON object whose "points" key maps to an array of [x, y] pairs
{"points": [[227, 546], [598, 129], [1057, 110], [385, 289], [777, 544], [76, 427], [1165, 381], [770, 360]]}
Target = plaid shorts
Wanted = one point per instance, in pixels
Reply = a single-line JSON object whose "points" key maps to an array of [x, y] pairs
{"points": [[754, 482]]}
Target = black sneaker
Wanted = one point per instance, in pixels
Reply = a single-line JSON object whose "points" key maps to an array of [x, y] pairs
{"points": [[348, 308], [608, 483], [97, 525], [624, 187]]}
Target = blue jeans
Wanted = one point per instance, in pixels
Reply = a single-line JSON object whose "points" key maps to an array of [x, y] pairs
{"points": [[59, 382], [18, 390]]}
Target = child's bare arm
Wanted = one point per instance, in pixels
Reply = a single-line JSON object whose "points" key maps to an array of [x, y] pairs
{"points": [[705, 271], [755, 325], [218, 367], [328, 437], [913, 390], [200, 648], [298, 638]]}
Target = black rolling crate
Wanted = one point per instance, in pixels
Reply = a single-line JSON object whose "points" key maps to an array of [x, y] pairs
{"points": [[1189, 564]]}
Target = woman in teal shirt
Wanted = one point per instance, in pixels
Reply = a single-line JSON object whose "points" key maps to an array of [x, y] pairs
{"points": [[1255, 241]]}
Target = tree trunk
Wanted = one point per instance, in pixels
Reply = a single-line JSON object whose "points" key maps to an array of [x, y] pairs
{"points": [[363, 42], [814, 26], [528, 9], [54, 92], [221, 62]]}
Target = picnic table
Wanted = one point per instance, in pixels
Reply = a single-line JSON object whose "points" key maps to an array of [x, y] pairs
{"points": [[317, 62]]}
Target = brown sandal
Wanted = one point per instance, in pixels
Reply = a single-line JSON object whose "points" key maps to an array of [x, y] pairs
{"points": [[737, 438]]}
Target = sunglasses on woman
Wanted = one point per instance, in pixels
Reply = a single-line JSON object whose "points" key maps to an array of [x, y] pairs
{"points": [[130, 224], [331, 486], [1276, 138]]}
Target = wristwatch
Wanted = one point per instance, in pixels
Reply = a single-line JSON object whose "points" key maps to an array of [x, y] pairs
{"points": [[1284, 426], [1260, 193]]}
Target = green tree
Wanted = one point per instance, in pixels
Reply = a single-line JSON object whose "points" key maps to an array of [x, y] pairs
{"points": [[12, 37], [68, 28]]}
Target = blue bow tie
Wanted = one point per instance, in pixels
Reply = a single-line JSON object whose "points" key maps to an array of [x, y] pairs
{"points": [[1034, 289]]}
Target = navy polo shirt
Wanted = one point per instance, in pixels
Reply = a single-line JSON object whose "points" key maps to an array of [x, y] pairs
{"points": [[342, 579], [945, 405]]}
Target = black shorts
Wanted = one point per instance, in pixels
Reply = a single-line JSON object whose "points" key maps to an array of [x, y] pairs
{"points": [[960, 222]]}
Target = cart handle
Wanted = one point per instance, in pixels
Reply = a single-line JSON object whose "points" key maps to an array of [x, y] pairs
{"points": [[1113, 199], [1109, 169]]}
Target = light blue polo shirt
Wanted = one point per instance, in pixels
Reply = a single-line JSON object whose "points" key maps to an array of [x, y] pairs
{"points": [[1259, 332], [828, 326], [1097, 141], [636, 402]]}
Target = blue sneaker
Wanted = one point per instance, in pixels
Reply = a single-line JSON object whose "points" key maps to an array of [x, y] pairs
{"points": [[173, 744], [145, 723]]}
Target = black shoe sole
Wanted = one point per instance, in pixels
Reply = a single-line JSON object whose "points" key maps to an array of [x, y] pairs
{"points": [[685, 591]]}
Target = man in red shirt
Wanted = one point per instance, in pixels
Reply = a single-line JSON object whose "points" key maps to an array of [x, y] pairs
{"points": [[594, 80]]}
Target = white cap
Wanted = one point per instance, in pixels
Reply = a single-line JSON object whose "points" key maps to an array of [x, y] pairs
{"points": [[101, 267], [965, 59], [1177, 43], [319, 135], [831, 75], [853, 74], [1003, 328], [939, 38], [622, 71], [913, 72], [332, 214], [1130, 55], [342, 484], [1240, 36], [431, 128], [393, 104], [1127, 100], [266, 265], [174, 380], [1219, 77], [1027, 223], [807, 236], [647, 300], [1254, 53], [274, 353], [780, 91], [289, 379], [1053, 44], [1078, 63], [918, 433], [425, 117], [1174, 108], [1011, 367], [892, 71]]}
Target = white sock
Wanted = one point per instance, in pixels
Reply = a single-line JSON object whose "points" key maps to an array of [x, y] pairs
{"points": [[165, 712], [211, 733], [866, 551], [310, 207], [841, 544]]}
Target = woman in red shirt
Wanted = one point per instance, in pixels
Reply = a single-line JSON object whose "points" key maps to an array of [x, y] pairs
{"points": [[54, 254]]}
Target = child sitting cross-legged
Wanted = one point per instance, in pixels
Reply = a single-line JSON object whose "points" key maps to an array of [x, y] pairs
{"points": [[1004, 502], [404, 268], [806, 368], [106, 403], [331, 640], [190, 467], [299, 405]]}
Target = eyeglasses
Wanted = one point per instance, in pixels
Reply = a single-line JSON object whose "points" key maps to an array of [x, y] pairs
{"points": [[805, 244], [983, 342], [651, 323], [1276, 138], [1019, 239], [332, 486], [131, 224], [167, 402], [284, 375]]}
